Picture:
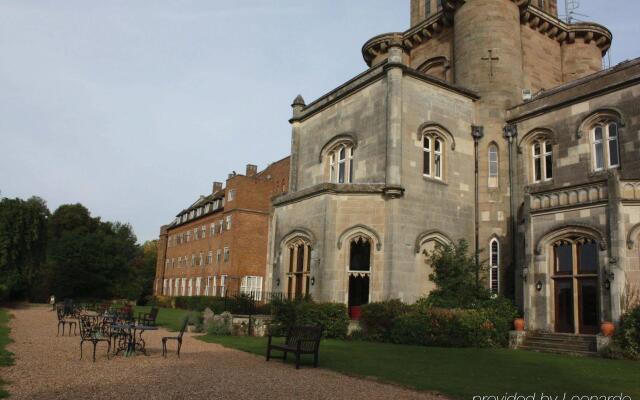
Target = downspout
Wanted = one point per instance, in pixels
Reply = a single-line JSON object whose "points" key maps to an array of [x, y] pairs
{"points": [[511, 133], [477, 132]]}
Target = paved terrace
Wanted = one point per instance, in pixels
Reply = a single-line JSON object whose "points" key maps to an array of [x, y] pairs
{"points": [[48, 367]]}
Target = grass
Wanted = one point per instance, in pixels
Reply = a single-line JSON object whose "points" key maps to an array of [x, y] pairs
{"points": [[464, 373], [169, 318], [6, 358]]}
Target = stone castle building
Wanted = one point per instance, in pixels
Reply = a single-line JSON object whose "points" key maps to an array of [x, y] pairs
{"points": [[487, 120], [218, 245]]}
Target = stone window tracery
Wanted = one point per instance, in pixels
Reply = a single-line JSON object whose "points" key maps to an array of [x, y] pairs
{"points": [[340, 160], [298, 268]]}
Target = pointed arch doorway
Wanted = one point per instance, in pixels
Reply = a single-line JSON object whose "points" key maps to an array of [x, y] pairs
{"points": [[359, 274]]}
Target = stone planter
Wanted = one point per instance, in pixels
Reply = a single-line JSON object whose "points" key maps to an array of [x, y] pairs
{"points": [[518, 324], [607, 329]]}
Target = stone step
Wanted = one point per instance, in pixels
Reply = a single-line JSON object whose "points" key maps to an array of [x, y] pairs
{"points": [[569, 345], [560, 343], [558, 351], [562, 337]]}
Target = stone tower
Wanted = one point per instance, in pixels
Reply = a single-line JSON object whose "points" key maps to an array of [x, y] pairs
{"points": [[503, 50]]}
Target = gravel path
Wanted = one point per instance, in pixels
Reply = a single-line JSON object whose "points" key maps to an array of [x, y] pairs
{"points": [[48, 367]]}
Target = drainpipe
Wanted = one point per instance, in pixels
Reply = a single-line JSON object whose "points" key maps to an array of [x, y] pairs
{"points": [[511, 133], [477, 132]]}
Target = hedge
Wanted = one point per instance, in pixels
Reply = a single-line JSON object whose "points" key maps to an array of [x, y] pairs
{"points": [[235, 305], [332, 316], [418, 324]]}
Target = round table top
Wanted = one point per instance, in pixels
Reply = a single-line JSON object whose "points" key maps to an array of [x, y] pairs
{"points": [[134, 326]]}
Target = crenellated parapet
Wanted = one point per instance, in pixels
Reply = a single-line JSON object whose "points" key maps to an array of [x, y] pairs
{"points": [[376, 48], [567, 33]]}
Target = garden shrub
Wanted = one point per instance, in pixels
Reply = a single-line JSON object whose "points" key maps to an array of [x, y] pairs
{"points": [[378, 318], [220, 325], [332, 316], [421, 324], [626, 341]]}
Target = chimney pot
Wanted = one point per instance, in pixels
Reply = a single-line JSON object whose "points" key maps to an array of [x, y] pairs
{"points": [[252, 170], [217, 186]]}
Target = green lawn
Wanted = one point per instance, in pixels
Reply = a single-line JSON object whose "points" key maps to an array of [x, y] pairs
{"points": [[464, 373], [167, 317], [6, 358]]}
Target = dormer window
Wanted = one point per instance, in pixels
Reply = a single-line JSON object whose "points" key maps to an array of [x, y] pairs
{"points": [[341, 163], [606, 150]]}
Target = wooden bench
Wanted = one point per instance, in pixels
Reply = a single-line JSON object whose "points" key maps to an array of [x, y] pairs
{"points": [[299, 340]]}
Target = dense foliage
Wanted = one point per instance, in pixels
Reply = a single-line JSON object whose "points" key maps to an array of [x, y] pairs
{"points": [[460, 312], [457, 276], [69, 254], [23, 242], [626, 341], [421, 324], [332, 316]]}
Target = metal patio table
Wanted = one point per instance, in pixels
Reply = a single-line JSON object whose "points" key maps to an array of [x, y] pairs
{"points": [[131, 341]]}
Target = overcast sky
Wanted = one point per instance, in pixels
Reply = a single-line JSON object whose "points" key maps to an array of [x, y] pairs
{"points": [[133, 107]]}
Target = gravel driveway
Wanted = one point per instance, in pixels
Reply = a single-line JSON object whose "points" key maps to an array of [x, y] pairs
{"points": [[48, 367]]}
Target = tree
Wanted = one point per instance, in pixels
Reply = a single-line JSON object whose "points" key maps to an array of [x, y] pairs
{"points": [[23, 241], [88, 258], [454, 273]]}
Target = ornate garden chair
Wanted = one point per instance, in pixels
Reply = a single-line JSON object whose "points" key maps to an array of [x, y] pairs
{"points": [[91, 332], [176, 338], [64, 320]]}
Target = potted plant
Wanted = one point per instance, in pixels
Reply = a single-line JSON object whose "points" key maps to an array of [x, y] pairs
{"points": [[607, 329], [518, 324]]}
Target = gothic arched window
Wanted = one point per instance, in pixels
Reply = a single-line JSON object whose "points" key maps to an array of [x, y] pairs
{"points": [[299, 268], [433, 148], [341, 163], [494, 166], [494, 265]]}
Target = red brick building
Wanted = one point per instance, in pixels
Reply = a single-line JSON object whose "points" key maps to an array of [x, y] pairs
{"points": [[219, 243]]}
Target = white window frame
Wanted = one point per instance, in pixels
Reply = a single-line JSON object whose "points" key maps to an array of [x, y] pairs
{"points": [[338, 165], [228, 221], [252, 286], [223, 285], [546, 152], [607, 142], [212, 229], [198, 286], [231, 195], [226, 254], [433, 148], [184, 286], [493, 157], [494, 265]]}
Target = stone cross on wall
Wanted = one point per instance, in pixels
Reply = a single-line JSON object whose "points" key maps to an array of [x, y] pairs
{"points": [[491, 59]]}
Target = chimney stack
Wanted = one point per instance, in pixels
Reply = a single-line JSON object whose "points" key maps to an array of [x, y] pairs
{"points": [[252, 170], [217, 186]]}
